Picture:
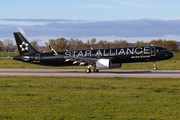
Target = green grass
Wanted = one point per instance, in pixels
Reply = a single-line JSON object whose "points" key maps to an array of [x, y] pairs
{"points": [[8, 54], [171, 64], [64, 98]]}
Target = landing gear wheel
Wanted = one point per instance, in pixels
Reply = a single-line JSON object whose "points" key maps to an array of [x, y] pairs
{"points": [[154, 63], [88, 70], [96, 70]]}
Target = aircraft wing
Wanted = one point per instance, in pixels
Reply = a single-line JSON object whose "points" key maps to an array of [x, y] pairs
{"points": [[81, 60], [75, 59]]}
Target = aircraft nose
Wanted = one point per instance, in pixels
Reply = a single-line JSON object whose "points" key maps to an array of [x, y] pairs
{"points": [[169, 55]]}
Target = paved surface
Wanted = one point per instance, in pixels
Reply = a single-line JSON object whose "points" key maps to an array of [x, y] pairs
{"points": [[81, 73]]}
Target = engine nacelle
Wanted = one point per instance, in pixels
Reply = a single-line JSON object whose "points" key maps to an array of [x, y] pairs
{"points": [[107, 64], [103, 64], [116, 65]]}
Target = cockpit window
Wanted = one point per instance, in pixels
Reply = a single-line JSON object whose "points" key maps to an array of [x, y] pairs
{"points": [[163, 50]]}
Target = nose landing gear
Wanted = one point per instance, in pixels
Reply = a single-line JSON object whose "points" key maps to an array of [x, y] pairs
{"points": [[154, 63]]}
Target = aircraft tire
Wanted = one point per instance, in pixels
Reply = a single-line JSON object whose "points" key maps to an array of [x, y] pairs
{"points": [[155, 68], [88, 70], [96, 70]]}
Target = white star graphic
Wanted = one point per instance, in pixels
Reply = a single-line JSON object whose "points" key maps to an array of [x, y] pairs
{"points": [[24, 46]]}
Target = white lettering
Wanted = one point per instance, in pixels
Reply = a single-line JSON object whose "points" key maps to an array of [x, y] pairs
{"points": [[68, 53], [121, 51], [74, 53], [111, 54], [138, 50], [88, 53], [98, 53], [146, 50], [146, 56], [105, 54], [80, 54], [130, 51]]}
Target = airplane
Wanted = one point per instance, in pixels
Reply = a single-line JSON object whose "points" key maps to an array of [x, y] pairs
{"points": [[98, 58]]}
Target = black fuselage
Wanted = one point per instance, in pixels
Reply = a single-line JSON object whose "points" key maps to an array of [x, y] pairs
{"points": [[117, 55]]}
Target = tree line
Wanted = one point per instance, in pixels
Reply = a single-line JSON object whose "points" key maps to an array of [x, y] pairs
{"points": [[62, 44], [8, 46]]}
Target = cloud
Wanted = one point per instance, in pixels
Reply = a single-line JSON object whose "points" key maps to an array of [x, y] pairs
{"points": [[41, 20], [137, 5], [120, 28]]}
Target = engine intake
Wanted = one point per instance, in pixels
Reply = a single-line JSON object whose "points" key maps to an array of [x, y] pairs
{"points": [[106, 64]]}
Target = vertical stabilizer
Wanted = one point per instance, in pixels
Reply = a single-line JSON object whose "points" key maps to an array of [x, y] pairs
{"points": [[24, 47]]}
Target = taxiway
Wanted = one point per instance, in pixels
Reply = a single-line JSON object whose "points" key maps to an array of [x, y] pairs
{"points": [[81, 73]]}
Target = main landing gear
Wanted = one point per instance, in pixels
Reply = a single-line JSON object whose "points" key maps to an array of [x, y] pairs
{"points": [[154, 63], [88, 70], [95, 70]]}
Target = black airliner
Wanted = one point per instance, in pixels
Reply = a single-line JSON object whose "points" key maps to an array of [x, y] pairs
{"points": [[99, 58]]}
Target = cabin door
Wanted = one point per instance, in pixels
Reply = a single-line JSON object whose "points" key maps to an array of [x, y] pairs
{"points": [[37, 58], [153, 49]]}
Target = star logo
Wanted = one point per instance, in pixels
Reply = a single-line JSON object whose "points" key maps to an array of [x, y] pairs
{"points": [[24, 46]]}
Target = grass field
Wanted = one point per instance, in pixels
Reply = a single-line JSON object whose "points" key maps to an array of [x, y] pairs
{"points": [[171, 64], [64, 98], [8, 54]]}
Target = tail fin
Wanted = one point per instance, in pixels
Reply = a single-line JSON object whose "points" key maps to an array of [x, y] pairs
{"points": [[23, 45]]}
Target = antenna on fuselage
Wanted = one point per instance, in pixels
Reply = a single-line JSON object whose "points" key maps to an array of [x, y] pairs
{"points": [[91, 47]]}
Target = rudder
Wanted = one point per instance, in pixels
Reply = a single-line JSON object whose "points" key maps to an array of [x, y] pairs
{"points": [[24, 47]]}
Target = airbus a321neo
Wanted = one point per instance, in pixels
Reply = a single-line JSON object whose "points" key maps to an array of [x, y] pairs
{"points": [[99, 58]]}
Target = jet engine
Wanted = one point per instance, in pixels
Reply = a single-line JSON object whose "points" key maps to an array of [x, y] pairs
{"points": [[103, 64], [106, 64]]}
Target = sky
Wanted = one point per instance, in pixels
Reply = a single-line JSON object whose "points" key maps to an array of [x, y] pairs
{"points": [[109, 20]]}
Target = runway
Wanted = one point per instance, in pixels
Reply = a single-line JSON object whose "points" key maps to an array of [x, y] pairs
{"points": [[102, 73]]}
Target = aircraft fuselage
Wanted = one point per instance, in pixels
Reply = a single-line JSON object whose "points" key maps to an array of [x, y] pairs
{"points": [[117, 55], [99, 58]]}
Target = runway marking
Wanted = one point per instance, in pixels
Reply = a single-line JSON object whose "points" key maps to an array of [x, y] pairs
{"points": [[102, 73]]}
